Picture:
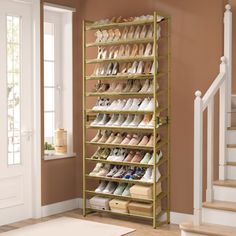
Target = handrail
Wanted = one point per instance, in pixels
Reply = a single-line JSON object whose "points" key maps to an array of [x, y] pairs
{"points": [[214, 88]]}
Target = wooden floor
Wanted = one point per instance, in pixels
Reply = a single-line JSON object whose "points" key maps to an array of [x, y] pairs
{"points": [[142, 228]]}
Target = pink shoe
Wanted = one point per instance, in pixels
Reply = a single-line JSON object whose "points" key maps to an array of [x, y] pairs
{"points": [[126, 140], [129, 157], [144, 141], [135, 140], [137, 157]]}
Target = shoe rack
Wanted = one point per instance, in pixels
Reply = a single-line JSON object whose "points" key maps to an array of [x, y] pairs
{"points": [[161, 114]]}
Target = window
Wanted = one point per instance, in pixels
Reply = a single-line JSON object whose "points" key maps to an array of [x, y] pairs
{"points": [[13, 26], [58, 96]]}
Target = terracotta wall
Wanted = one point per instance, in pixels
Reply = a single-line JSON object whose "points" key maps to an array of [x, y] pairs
{"points": [[197, 45]]}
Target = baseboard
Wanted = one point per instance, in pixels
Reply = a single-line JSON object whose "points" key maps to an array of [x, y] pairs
{"points": [[60, 207]]}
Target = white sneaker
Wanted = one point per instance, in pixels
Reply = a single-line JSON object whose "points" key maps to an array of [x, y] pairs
{"points": [[128, 120], [113, 104], [147, 175], [110, 188], [97, 120], [113, 171], [137, 119], [119, 106], [101, 187], [128, 104], [144, 104], [113, 119], [121, 155], [119, 121], [98, 105], [135, 104], [104, 170], [114, 152], [158, 157], [158, 175], [104, 120]]}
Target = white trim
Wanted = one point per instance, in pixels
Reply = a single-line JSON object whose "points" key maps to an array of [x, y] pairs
{"points": [[36, 158], [58, 8], [60, 207]]}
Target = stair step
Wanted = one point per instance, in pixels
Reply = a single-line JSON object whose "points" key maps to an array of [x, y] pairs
{"points": [[220, 205], [225, 183], [231, 163], [208, 229], [232, 128], [231, 145]]}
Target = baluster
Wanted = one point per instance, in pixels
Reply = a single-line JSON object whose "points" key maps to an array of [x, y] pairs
{"points": [[198, 126]]}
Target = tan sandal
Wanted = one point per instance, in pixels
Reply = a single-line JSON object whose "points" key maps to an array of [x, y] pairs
{"points": [[117, 35]]}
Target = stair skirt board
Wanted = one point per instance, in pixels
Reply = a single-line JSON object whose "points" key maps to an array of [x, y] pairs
{"points": [[231, 172], [231, 154], [231, 136], [220, 217], [222, 193]]}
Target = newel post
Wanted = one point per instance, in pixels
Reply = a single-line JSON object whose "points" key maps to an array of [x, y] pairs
{"points": [[228, 56], [223, 121], [198, 139]]}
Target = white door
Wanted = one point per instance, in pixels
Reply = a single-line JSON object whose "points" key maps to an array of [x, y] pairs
{"points": [[16, 111]]}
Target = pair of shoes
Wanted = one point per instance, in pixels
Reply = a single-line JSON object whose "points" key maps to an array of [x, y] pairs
{"points": [[101, 153], [149, 175], [117, 154], [147, 105], [106, 187], [147, 121], [148, 87], [149, 158], [101, 87], [106, 69], [100, 120], [102, 104], [122, 189], [134, 157], [100, 170]]}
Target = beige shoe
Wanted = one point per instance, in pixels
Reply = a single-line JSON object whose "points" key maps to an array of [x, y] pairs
{"points": [[119, 88], [121, 52], [137, 32], [128, 86], [97, 137], [127, 51], [141, 50], [104, 138], [147, 67], [150, 88], [143, 32], [117, 35], [134, 51], [131, 32], [111, 138], [112, 87], [146, 120], [125, 33], [135, 140], [144, 141], [145, 86], [118, 139]]}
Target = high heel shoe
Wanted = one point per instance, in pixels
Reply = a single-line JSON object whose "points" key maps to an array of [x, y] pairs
{"points": [[111, 35], [117, 35], [140, 68], [137, 32], [134, 51], [105, 36], [125, 33], [128, 86], [131, 32], [152, 69], [147, 67], [133, 68], [127, 50], [115, 68], [103, 69], [98, 36], [150, 32], [100, 51], [143, 32], [111, 52], [141, 50], [121, 51], [109, 69], [116, 52], [148, 50]]}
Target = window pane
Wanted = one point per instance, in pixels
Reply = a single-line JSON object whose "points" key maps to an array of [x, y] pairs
{"points": [[48, 41], [48, 73], [49, 126], [49, 99], [13, 88]]}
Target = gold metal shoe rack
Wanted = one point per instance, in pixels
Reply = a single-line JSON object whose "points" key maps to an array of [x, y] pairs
{"points": [[164, 121]]}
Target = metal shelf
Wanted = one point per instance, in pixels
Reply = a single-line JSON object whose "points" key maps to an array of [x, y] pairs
{"points": [[122, 163], [163, 178], [136, 147]]}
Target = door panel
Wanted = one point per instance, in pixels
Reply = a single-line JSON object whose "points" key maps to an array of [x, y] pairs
{"points": [[15, 111]]}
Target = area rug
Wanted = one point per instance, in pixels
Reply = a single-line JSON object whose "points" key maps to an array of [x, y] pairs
{"points": [[66, 226]]}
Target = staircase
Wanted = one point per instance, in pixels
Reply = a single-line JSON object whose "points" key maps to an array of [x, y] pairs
{"points": [[216, 216]]}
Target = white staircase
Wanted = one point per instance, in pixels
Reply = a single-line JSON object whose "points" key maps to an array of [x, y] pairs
{"points": [[216, 216]]}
